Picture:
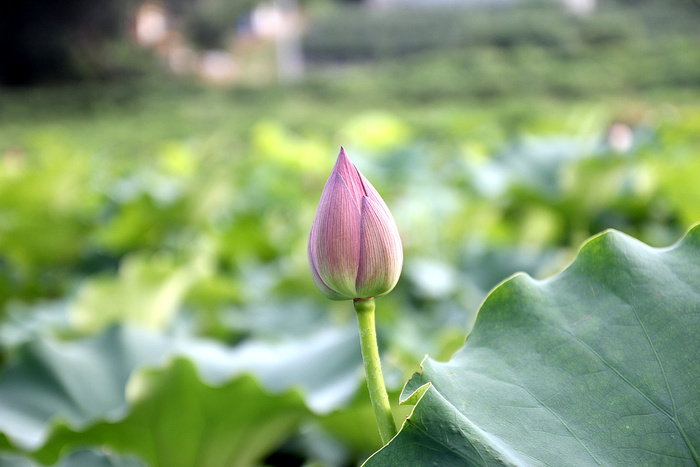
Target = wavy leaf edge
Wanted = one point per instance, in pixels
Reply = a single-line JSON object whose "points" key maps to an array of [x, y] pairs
{"points": [[411, 395]]}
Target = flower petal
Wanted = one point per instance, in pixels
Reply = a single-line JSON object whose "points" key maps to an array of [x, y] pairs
{"points": [[325, 290], [334, 242], [372, 194], [351, 175], [381, 254]]}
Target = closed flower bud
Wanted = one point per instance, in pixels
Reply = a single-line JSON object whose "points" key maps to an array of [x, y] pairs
{"points": [[354, 246]]}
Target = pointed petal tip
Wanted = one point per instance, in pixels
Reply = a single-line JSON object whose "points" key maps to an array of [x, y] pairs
{"points": [[342, 155], [351, 175]]}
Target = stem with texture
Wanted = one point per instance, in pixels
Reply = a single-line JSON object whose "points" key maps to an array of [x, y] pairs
{"points": [[373, 369]]}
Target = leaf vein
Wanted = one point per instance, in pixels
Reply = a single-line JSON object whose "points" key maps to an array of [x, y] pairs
{"points": [[561, 420], [682, 432], [622, 377]]}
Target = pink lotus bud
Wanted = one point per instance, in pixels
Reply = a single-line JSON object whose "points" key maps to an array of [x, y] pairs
{"points": [[354, 245]]}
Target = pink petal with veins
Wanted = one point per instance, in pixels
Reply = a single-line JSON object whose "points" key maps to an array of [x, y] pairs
{"points": [[381, 254], [325, 290], [352, 177], [334, 242]]}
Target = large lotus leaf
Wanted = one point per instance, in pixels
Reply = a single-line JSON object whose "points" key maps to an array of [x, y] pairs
{"points": [[176, 420], [596, 366], [78, 382], [82, 383]]}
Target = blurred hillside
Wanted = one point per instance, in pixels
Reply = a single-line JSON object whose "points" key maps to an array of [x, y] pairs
{"points": [[256, 41]]}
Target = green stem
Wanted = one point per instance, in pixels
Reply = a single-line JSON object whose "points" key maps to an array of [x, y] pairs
{"points": [[373, 369]]}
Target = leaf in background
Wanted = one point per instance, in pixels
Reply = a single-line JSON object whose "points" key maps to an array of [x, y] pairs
{"points": [[535, 164], [375, 131], [355, 424], [81, 458], [678, 180], [148, 291], [175, 420], [45, 197], [57, 391], [278, 145], [596, 366], [23, 323], [78, 382]]}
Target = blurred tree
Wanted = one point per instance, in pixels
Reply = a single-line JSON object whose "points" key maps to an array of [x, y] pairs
{"points": [[664, 3], [44, 40], [207, 23]]}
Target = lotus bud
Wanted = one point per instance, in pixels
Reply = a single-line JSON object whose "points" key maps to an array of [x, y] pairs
{"points": [[354, 246]]}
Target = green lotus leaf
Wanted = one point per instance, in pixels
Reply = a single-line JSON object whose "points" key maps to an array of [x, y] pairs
{"points": [[595, 366], [55, 391], [176, 420]]}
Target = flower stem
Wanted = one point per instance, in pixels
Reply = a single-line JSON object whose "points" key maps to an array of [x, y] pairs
{"points": [[373, 369]]}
